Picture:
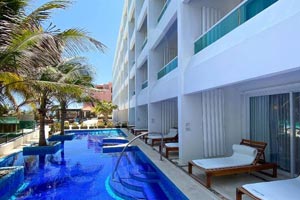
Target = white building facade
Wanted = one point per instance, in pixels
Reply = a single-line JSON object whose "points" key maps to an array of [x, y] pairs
{"points": [[218, 70]]}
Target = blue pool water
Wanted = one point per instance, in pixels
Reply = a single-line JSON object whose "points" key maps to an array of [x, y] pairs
{"points": [[81, 171]]}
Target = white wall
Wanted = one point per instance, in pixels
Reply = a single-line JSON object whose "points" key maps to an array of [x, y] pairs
{"points": [[165, 88], [158, 30], [235, 96], [266, 44], [163, 116], [131, 118], [141, 117], [190, 139], [203, 125], [233, 119], [155, 121]]}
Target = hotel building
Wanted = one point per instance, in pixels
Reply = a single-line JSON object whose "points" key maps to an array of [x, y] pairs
{"points": [[218, 70]]}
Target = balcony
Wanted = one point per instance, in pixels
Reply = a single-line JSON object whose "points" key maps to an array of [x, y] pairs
{"points": [[144, 43], [144, 84], [163, 10], [173, 64], [235, 18]]}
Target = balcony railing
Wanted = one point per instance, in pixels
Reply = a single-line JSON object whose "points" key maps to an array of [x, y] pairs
{"points": [[144, 43], [163, 10], [231, 21], [145, 84], [168, 68]]}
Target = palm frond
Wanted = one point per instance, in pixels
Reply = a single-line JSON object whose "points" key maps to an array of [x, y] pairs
{"points": [[17, 53], [11, 8], [75, 41], [43, 12], [8, 77]]}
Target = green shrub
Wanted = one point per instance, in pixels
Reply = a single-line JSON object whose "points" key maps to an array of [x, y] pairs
{"points": [[110, 125], [124, 125]]}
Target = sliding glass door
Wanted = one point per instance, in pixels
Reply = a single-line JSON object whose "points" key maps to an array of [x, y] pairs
{"points": [[296, 140], [270, 122]]}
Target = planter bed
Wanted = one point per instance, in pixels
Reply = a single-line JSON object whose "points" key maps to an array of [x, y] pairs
{"points": [[51, 148]]}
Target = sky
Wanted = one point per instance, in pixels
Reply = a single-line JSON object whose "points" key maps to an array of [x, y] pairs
{"points": [[101, 19]]}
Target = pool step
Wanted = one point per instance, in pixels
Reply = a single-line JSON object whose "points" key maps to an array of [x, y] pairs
{"points": [[151, 190], [133, 184], [125, 192], [109, 141], [148, 177], [116, 148], [143, 166], [134, 175]]}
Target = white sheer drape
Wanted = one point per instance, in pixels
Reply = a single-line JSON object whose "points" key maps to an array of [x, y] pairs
{"points": [[212, 111], [270, 122]]}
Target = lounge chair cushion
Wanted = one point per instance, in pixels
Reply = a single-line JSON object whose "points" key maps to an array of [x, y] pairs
{"points": [[275, 190], [171, 144], [242, 155], [172, 133]]}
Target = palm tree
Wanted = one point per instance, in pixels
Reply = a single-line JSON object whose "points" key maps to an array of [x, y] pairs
{"points": [[19, 32], [105, 108], [76, 72], [27, 47], [12, 87]]}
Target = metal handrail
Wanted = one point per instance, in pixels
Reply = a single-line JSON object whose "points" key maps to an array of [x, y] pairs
{"points": [[136, 137]]}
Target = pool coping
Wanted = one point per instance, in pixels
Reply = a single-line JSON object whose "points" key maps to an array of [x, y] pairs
{"points": [[190, 187]]}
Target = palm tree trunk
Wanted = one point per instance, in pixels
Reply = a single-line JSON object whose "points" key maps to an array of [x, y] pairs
{"points": [[63, 107], [42, 113]]}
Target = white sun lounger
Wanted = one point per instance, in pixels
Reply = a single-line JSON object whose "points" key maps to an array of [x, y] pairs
{"points": [[247, 157], [171, 146], [172, 136], [273, 190], [242, 155]]}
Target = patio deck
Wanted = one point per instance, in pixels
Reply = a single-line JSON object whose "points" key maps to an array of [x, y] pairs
{"points": [[223, 187]]}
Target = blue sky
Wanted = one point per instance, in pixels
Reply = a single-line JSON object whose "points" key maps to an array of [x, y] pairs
{"points": [[101, 19]]}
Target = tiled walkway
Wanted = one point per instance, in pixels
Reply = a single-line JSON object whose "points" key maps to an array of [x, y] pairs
{"points": [[223, 187]]}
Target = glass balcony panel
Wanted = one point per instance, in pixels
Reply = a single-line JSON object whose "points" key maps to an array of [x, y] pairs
{"points": [[163, 10], [240, 15], [173, 64], [144, 84], [144, 43]]}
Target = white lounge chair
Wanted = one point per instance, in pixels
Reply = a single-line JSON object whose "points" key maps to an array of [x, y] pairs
{"points": [[172, 136], [170, 146], [273, 190], [138, 131], [246, 157], [242, 155], [90, 122]]}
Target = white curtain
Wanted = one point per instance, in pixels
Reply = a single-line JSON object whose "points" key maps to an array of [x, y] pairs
{"points": [[270, 122], [169, 115], [212, 111]]}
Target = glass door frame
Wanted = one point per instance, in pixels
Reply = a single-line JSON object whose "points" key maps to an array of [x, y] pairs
{"points": [[291, 90]]}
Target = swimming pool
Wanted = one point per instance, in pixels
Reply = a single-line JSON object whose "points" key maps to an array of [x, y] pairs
{"points": [[81, 171]]}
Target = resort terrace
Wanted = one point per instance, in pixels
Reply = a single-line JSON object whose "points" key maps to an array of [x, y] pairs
{"points": [[223, 187]]}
